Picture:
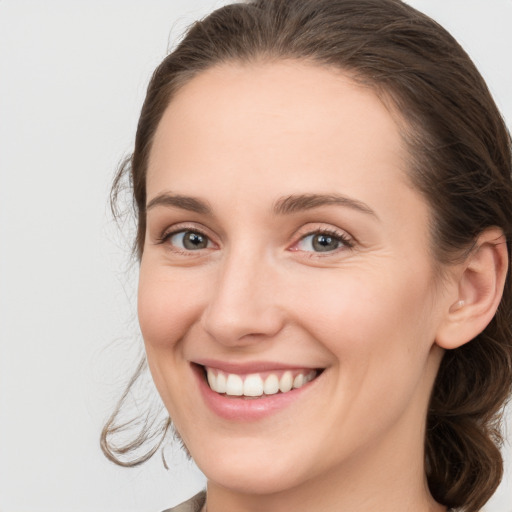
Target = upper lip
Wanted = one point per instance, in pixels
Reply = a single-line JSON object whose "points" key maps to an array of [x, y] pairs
{"points": [[250, 367]]}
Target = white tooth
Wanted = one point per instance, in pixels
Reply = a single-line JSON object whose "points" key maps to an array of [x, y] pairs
{"points": [[298, 382], [286, 382], [253, 385], [212, 380], [221, 383], [234, 385], [310, 376], [271, 386]]}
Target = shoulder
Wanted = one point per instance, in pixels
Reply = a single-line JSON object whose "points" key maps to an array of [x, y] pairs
{"points": [[192, 505]]}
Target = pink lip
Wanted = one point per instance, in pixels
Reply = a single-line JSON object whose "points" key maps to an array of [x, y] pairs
{"points": [[244, 409], [246, 368]]}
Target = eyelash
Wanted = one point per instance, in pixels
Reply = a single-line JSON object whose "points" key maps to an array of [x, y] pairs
{"points": [[345, 241]]}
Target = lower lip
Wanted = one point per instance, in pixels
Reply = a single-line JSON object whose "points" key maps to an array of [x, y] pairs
{"points": [[247, 409]]}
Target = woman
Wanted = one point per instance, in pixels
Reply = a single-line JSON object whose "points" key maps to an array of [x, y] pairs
{"points": [[323, 192]]}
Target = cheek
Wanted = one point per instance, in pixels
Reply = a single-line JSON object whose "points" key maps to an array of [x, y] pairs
{"points": [[380, 331], [380, 314], [167, 305]]}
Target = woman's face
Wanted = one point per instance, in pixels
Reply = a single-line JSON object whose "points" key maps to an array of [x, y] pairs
{"points": [[284, 242]]}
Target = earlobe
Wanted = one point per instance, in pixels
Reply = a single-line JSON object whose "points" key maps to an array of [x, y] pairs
{"points": [[480, 286]]}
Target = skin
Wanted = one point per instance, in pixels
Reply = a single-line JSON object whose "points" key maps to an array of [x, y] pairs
{"points": [[240, 138]]}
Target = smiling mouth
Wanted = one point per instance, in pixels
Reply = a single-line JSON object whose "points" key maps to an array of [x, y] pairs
{"points": [[257, 385]]}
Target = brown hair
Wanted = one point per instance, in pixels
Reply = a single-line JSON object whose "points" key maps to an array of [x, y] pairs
{"points": [[460, 160]]}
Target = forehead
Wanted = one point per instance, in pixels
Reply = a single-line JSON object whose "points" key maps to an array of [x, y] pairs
{"points": [[261, 116]]}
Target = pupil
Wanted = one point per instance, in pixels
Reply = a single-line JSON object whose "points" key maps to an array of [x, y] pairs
{"points": [[324, 243], [193, 240]]}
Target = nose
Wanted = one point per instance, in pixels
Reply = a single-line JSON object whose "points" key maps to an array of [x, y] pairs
{"points": [[244, 306]]}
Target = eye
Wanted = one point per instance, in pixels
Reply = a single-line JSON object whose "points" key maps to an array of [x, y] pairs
{"points": [[322, 242], [189, 240]]}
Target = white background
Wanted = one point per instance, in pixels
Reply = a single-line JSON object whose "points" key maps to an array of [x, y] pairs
{"points": [[72, 80]]}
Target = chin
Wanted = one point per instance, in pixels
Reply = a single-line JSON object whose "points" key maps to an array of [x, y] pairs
{"points": [[249, 480], [250, 473]]}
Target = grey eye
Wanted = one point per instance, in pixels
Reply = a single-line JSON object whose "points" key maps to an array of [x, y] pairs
{"points": [[319, 242], [190, 240]]}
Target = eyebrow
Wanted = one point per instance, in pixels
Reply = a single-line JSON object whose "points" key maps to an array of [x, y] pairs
{"points": [[297, 203], [283, 206], [191, 204]]}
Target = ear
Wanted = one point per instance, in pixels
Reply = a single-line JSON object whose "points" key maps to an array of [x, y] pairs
{"points": [[479, 287]]}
